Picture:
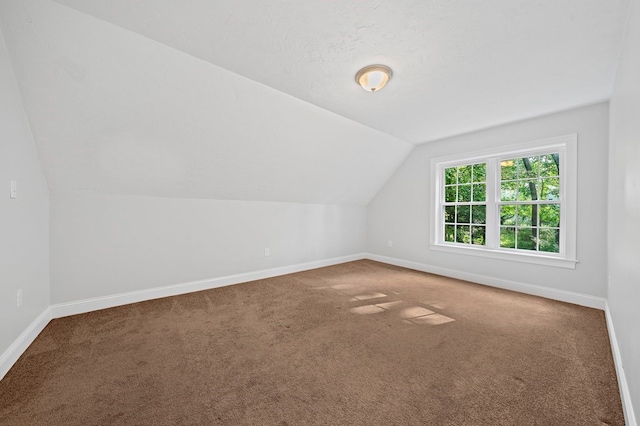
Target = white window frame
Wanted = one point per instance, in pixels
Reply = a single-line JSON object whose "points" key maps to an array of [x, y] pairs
{"points": [[566, 146]]}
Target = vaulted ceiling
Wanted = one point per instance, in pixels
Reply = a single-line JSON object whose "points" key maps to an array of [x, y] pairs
{"points": [[247, 99]]}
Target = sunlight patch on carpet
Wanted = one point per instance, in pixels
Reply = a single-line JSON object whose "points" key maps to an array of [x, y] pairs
{"points": [[368, 296], [389, 305], [415, 311], [366, 310], [433, 319]]}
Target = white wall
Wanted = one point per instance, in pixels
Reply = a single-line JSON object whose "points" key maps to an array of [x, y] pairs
{"points": [[110, 244], [400, 211], [624, 211], [116, 112], [24, 239]]}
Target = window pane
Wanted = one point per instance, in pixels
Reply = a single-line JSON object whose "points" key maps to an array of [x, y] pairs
{"points": [[550, 189], [550, 215], [462, 185], [450, 214], [450, 194], [450, 233], [463, 234], [479, 214], [507, 215], [508, 191], [526, 239], [464, 193], [464, 174], [528, 168], [549, 240], [507, 237], [526, 215], [508, 169], [450, 176], [463, 214], [480, 172], [477, 235], [479, 192], [527, 190], [548, 165]]}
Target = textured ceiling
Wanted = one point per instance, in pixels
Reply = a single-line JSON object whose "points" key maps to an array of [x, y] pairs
{"points": [[115, 112], [256, 100], [459, 65]]}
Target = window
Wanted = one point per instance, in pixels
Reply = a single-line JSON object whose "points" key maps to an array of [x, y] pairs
{"points": [[517, 203], [465, 206], [530, 203]]}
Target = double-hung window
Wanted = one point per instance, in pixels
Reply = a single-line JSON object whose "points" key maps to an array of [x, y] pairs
{"points": [[465, 204], [517, 203]]}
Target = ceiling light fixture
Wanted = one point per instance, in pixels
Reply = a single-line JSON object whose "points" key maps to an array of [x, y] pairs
{"points": [[373, 77]]}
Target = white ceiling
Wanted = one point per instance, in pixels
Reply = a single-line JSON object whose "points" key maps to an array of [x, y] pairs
{"points": [[115, 112], [459, 65], [256, 100]]}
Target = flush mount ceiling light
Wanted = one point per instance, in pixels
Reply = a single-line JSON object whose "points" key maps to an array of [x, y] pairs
{"points": [[373, 77]]}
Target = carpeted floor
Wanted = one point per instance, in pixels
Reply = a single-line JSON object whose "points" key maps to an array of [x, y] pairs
{"points": [[360, 343]]}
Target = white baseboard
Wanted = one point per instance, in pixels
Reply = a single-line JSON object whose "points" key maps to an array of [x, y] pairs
{"points": [[11, 355], [561, 295], [17, 348], [549, 293], [87, 305], [627, 405]]}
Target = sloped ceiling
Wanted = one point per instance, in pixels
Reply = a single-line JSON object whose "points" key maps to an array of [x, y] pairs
{"points": [[247, 99], [116, 112], [459, 65]]}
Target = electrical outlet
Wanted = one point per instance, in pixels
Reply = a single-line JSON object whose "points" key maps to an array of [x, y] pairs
{"points": [[19, 298], [14, 189], [266, 252], [389, 243]]}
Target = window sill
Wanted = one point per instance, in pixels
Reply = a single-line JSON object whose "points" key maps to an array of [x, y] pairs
{"points": [[557, 262]]}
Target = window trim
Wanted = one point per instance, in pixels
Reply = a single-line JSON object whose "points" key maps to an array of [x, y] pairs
{"points": [[567, 146]]}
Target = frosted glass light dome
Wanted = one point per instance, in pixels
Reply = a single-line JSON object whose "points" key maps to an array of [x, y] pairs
{"points": [[373, 77]]}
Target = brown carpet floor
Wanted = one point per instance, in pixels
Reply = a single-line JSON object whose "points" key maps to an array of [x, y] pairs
{"points": [[360, 343]]}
